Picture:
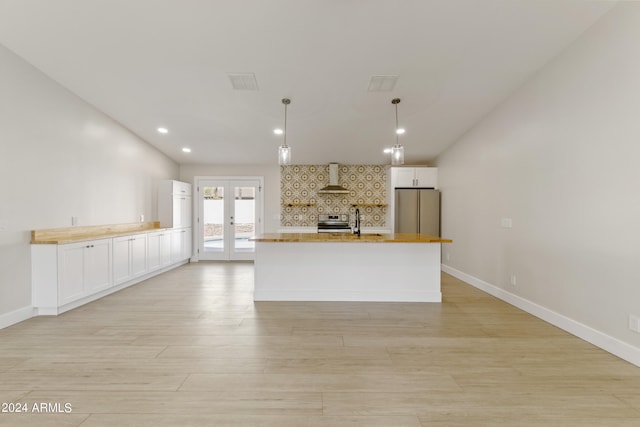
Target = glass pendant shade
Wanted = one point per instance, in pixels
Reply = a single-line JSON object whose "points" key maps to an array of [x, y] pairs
{"points": [[397, 155], [284, 155]]}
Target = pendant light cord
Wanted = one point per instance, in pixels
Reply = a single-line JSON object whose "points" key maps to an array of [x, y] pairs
{"points": [[396, 101], [397, 124], [286, 102]]}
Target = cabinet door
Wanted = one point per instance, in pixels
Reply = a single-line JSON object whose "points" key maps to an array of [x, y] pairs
{"points": [[71, 272], [138, 255], [97, 266], [182, 188], [426, 177], [177, 245], [165, 248], [177, 211], [186, 205], [121, 259], [188, 243], [153, 251], [402, 177]]}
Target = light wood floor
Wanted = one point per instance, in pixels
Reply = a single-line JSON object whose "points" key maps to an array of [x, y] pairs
{"points": [[190, 348]]}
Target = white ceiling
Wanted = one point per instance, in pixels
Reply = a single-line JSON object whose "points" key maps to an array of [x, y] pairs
{"points": [[150, 63]]}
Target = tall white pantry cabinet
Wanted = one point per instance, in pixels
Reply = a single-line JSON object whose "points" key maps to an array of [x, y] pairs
{"points": [[175, 201]]}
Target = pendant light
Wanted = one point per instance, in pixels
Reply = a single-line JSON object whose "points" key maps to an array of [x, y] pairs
{"points": [[284, 152], [397, 151]]}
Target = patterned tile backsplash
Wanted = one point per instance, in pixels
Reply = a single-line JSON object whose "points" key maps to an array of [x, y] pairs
{"points": [[300, 202]]}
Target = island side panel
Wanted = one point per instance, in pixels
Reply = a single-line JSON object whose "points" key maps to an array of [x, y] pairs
{"points": [[398, 272]]}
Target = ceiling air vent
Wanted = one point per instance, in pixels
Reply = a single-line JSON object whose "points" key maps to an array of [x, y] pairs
{"points": [[382, 83], [243, 81]]}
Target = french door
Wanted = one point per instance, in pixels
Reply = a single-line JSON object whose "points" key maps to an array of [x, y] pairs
{"points": [[229, 214]]}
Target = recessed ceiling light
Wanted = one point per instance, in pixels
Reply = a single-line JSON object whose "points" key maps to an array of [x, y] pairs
{"points": [[163, 130], [186, 150], [399, 131], [278, 131]]}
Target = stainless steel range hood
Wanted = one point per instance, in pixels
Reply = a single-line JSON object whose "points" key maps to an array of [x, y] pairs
{"points": [[333, 187]]}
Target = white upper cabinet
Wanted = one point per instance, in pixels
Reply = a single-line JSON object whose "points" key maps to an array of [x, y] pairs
{"points": [[183, 188], [423, 177], [174, 204]]}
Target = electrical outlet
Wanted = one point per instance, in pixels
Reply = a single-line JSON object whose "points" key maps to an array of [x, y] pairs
{"points": [[506, 223], [448, 256], [141, 217], [634, 323], [74, 220], [513, 280]]}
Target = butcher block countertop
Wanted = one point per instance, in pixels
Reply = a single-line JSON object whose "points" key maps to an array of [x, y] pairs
{"points": [[348, 238], [55, 236]]}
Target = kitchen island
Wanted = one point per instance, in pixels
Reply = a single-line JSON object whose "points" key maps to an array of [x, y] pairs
{"points": [[346, 267]]}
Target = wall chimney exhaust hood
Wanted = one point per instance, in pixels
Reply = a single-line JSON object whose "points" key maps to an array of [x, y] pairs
{"points": [[333, 187]]}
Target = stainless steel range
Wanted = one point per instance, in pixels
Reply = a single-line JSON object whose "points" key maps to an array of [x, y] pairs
{"points": [[333, 223]]}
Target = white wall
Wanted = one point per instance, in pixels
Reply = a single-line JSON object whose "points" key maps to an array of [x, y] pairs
{"points": [[270, 172], [561, 158], [60, 157]]}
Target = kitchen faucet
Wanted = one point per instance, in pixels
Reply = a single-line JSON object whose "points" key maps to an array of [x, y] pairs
{"points": [[356, 228]]}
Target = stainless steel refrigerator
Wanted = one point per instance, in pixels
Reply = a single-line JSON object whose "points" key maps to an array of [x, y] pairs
{"points": [[417, 210]]}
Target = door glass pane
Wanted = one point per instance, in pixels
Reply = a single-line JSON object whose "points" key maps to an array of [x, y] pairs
{"points": [[213, 219], [245, 218]]}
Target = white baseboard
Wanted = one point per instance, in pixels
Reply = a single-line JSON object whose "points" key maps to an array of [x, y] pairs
{"points": [[608, 343], [16, 316]]}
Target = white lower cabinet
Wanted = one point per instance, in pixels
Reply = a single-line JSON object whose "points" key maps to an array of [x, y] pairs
{"points": [[158, 249], [188, 245], [97, 266], [181, 244], [129, 257], [71, 273], [165, 249], [83, 269], [65, 276]]}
